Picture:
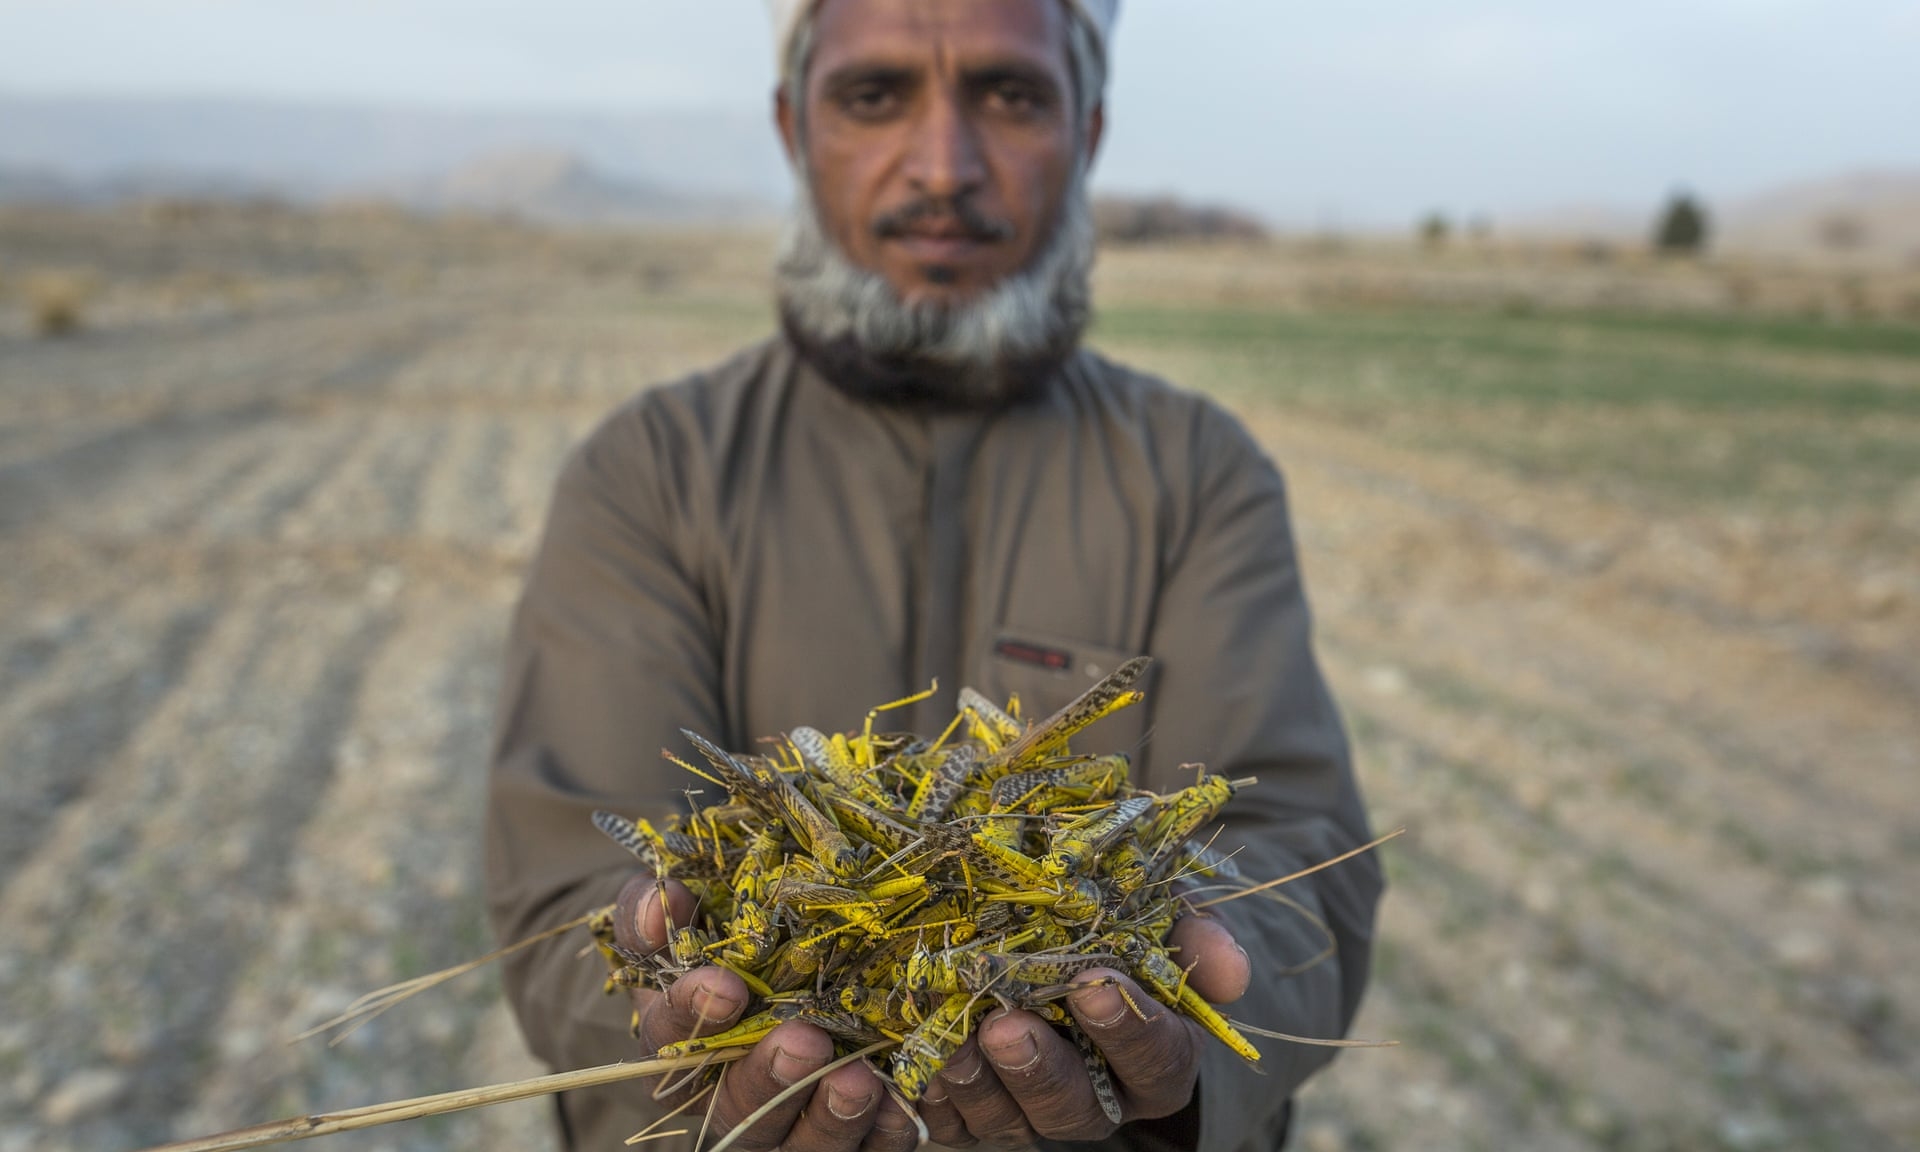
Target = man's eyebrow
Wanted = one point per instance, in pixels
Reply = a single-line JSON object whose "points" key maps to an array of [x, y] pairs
{"points": [[1020, 71], [850, 75]]}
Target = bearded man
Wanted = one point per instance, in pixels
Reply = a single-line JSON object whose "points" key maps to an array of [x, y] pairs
{"points": [[925, 477]]}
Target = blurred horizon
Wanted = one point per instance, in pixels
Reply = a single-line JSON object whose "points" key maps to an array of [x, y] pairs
{"points": [[1328, 120]]}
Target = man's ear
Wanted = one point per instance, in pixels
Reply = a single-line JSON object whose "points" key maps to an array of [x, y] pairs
{"points": [[785, 120], [1096, 128]]}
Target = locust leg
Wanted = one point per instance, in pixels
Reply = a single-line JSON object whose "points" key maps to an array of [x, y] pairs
{"points": [[1098, 1074], [989, 724], [1168, 983]]}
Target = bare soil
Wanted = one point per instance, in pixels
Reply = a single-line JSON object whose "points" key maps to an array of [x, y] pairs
{"points": [[1658, 747]]}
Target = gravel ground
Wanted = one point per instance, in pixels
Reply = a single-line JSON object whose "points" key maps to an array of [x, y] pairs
{"points": [[1662, 891]]}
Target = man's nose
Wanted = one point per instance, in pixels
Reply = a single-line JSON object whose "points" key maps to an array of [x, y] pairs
{"points": [[946, 158]]}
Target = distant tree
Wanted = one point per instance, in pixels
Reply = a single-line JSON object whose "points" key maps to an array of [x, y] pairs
{"points": [[1682, 230], [1435, 229]]}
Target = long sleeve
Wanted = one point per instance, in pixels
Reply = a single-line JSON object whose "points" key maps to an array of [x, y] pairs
{"points": [[612, 651], [1240, 688]]}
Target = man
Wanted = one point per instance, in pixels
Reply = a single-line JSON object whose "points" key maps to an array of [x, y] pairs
{"points": [[924, 477]]}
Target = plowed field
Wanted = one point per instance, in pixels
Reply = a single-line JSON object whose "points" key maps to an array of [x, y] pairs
{"points": [[1624, 611]]}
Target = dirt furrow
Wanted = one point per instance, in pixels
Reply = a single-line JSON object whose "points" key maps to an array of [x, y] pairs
{"points": [[1682, 987], [1658, 784], [303, 456], [223, 468], [1825, 932], [376, 490], [179, 859], [532, 464], [1498, 596], [59, 731], [1675, 691], [384, 885], [459, 494]]}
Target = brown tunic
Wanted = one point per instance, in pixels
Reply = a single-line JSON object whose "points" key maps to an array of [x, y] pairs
{"points": [[750, 550]]}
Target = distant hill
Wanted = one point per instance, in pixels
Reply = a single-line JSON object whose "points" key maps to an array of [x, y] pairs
{"points": [[1871, 214], [552, 186], [1868, 211], [20, 185], [30, 185], [313, 151]]}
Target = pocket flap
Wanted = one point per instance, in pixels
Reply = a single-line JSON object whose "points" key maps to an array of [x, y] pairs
{"points": [[1048, 671]]}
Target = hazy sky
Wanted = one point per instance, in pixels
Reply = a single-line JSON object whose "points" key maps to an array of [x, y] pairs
{"points": [[1367, 111]]}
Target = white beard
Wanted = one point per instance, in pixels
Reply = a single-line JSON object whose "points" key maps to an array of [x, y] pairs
{"points": [[1035, 316]]}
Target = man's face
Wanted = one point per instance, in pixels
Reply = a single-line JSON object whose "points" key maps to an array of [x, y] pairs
{"points": [[940, 138]]}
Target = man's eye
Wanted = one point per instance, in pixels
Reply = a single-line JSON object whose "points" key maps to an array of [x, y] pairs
{"points": [[1016, 97], [870, 100]]}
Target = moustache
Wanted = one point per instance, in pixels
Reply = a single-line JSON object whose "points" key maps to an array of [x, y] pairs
{"points": [[911, 217]]}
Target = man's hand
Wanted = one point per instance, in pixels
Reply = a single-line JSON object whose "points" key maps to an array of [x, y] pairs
{"points": [[847, 1111], [1018, 1079]]}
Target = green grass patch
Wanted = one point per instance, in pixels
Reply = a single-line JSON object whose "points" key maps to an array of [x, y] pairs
{"points": [[1483, 357], [1796, 334], [1672, 411]]}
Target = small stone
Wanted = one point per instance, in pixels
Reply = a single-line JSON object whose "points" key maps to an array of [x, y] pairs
{"points": [[1804, 951], [19, 1139], [437, 1028], [88, 1090], [238, 1045], [1539, 895], [13, 1038], [385, 584], [1323, 1137], [1751, 1132], [1386, 680]]}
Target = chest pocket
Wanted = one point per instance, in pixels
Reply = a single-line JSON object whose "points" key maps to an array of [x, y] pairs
{"points": [[1047, 672]]}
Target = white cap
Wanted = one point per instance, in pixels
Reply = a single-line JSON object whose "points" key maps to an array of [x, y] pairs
{"points": [[787, 13]]}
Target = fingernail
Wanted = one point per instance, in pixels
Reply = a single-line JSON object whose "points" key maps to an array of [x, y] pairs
{"points": [[848, 1107], [1243, 955], [644, 913], [936, 1092], [964, 1068], [1100, 1006], [629, 915], [891, 1121], [1016, 1055], [714, 1006], [790, 1070]]}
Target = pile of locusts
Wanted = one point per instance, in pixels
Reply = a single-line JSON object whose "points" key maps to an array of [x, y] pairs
{"points": [[893, 890]]}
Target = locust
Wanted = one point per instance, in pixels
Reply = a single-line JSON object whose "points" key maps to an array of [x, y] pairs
{"points": [[891, 889], [896, 885]]}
